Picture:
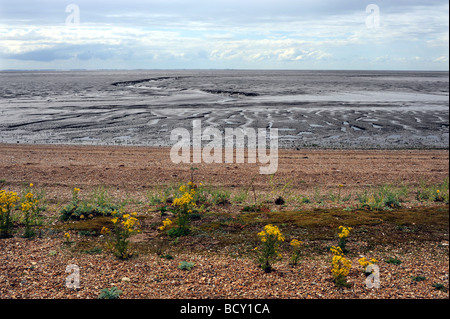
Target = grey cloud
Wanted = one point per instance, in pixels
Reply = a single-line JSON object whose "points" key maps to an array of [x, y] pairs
{"points": [[67, 52], [166, 13]]}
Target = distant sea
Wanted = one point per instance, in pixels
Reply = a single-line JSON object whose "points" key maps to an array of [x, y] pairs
{"points": [[328, 109]]}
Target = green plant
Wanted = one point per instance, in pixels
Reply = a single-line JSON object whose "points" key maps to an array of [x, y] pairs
{"points": [[93, 251], [434, 193], [418, 278], [221, 197], [343, 234], [30, 209], [339, 192], [393, 260], [52, 253], [317, 196], [295, 251], [87, 233], [178, 232], [241, 196], [439, 286], [270, 238], [185, 265], [385, 197], [305, 200], [173, 232], [100, 204], [154, 199], [103, 202], [113, 293]]}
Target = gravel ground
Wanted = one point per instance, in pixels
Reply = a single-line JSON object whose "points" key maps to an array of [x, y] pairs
{"points": [[37, 268]]}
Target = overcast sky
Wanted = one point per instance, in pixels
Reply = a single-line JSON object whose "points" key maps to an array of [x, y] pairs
{"points": [[219, 34]]}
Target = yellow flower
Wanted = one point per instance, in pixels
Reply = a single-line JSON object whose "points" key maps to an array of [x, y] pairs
{"points": [[271, 231], [340, 185], [438, 191], [341, 266], [295, 243], [104, 230], [345, 231], [166, 223], [67, 236], [31, 185], [363, 262], [7, 200], [76, 190], [114, 220], [336, 250], [26, 206]]}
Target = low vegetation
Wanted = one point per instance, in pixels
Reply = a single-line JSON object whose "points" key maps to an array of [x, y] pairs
{"points": [[269, 228]]}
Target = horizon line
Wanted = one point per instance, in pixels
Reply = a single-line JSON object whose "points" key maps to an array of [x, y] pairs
{"points": [[220, 69]]}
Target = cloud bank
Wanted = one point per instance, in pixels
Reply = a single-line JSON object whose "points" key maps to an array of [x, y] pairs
{"points": [[157, 34]]}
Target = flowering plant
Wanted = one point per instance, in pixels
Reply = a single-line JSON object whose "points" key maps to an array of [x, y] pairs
{"points": [[67, 238], [340, 266], [343, 234], [296, 251], [166, 223], [271, 238], [183, 207], [7, 203], [30, 209], [364, 262], [125, 225]]}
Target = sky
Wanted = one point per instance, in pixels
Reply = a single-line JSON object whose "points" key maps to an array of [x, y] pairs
{"points": [[219, 34]]}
